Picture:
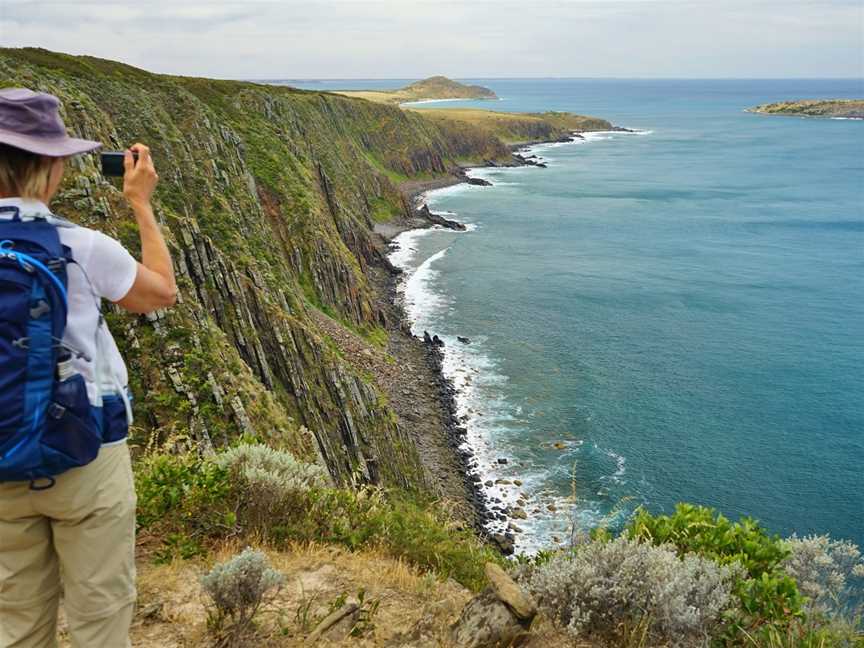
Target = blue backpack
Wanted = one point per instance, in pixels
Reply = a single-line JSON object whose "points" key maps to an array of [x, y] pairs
{"points": [[47, 424]]}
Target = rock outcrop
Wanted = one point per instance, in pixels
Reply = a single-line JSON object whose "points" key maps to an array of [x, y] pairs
{"points": [[498, 617], [836, 108]]}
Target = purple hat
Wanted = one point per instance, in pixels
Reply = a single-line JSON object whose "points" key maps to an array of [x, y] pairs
{"points": [[31, 121]]}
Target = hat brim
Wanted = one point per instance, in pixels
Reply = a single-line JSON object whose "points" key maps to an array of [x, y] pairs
{"points": [[55, 147]]}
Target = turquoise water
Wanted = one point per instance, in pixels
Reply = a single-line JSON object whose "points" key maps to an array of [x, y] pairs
{"points": [[675, 315]]}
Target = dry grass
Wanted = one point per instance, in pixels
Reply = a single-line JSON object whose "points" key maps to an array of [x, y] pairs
{"points": [[378, 96], [172, 610]]}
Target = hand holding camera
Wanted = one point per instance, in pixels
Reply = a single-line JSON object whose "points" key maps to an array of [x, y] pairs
{"points": [[136, 168]]}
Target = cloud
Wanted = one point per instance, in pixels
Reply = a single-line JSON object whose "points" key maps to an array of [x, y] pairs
{"points": [[409, 39]]}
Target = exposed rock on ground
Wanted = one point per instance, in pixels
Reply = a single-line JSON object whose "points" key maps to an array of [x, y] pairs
{"points": [[499, 617]]}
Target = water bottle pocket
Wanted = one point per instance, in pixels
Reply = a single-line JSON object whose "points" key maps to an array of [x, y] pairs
{"points": [[72, 430], [114, 424]]}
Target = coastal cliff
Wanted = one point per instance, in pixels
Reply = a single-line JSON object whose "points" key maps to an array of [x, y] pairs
{"points": [[268, 199]]}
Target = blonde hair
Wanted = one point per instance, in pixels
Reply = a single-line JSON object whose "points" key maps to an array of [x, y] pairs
{"points": [[24, 174]]}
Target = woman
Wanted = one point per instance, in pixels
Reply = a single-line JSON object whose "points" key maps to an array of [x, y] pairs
{"points": [[80, 528]]}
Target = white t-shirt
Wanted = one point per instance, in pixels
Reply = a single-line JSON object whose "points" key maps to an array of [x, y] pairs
{"points": [[111, 271]]}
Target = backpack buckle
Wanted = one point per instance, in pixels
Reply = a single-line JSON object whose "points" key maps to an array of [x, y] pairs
{"points": [[39, 309], [56, 265]]}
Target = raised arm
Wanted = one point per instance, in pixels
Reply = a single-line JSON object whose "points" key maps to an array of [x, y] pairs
{"points": [[154, 285]]}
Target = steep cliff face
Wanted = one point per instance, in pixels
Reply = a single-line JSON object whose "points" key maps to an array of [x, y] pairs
{"points": [[267, 198]]}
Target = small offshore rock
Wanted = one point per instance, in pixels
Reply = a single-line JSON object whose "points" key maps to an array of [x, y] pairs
{"points": [[519, 513], [463, 339], [502, 460]]}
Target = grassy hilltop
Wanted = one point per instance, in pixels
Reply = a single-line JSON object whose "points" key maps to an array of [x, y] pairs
{"points": [[848, 108], [436, 87], [276, 403]]}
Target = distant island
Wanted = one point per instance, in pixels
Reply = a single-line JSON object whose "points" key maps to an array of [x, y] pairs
{"points": [[431, 89], [832, 108]]}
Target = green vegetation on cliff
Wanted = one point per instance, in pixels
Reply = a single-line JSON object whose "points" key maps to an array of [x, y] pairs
{"points": [[516, 128], [848, 108]]}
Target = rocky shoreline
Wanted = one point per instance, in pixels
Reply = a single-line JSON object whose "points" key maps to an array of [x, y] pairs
{"points": [[418, 216], [441, 435], [463, 465]]}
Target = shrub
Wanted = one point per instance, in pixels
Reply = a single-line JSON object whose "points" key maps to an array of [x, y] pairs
{"points": [[274, 483], [185, 500], [768, 596], [237, 588], [825, 571], [704, 531], [604, 587], [271, 471]]}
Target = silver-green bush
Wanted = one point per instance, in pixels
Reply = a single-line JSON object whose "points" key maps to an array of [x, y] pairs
{"points": [[272, 470], [238, 587], [603, 588], [829, 573]]}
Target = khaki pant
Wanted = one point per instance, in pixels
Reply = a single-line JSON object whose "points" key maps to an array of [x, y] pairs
{"points": [[84, 528]]}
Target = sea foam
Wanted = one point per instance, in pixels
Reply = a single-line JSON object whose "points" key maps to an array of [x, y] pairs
{"points": [[487, 415]]}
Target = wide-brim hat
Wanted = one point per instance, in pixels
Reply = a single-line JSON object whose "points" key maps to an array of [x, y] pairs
{"points": [[31, 121]]}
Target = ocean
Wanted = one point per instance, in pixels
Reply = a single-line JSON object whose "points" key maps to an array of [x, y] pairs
{"points": [[673, 315]]}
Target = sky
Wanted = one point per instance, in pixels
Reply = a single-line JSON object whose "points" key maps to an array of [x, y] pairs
{"points": [[293, 39]]}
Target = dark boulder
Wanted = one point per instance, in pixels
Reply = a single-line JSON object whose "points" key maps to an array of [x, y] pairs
{"points": [[438, 219], [505, 543]]}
